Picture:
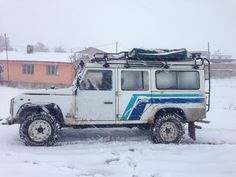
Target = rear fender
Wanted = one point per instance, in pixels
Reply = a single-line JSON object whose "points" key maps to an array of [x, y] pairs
{"points": [[177, 111]]}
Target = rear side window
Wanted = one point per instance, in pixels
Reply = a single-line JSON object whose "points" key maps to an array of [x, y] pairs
{"points": [[177, 80], [134, 80]]}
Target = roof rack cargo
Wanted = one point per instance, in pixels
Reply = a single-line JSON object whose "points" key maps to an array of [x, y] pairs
{"points": [[146, 54], [155, 58], [159, 54]]}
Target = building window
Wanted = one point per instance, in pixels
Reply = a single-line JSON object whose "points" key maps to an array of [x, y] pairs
{"points": [[52, 70], [28, 68], [177, 80], [134, 80], [1, 72]]}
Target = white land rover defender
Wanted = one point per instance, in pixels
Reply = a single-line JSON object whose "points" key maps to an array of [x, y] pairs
{"points": [[162, 90]]}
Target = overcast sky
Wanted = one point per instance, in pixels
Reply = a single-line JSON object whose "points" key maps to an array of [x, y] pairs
{"points": [[133, 23]]}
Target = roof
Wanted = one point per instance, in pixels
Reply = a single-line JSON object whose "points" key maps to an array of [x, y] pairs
{"points": [[37, 56]]}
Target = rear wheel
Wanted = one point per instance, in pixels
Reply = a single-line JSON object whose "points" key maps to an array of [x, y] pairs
{"points": [[167, 129], [39, 129]]}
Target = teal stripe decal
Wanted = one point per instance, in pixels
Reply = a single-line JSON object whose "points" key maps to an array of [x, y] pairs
{"points": [[134, 97]]}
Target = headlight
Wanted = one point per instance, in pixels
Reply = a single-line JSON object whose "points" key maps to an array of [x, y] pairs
{"points": [[12, 106]]}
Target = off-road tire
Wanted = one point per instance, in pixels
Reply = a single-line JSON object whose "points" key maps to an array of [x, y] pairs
{"points": [[51, 126], [167, 129]]}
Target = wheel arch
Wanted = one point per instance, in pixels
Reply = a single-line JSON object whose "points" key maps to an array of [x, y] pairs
{"points": [[177, 111], [50, 108]]}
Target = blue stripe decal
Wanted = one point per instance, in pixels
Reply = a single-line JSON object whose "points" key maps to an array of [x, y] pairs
{"points": [[134, 111]]}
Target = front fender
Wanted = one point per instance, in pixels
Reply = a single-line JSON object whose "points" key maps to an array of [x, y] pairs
{"points": [[19, 116], [50, 108]]}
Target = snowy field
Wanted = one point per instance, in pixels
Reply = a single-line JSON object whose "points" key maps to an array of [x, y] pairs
{"points": [[122, 152]]}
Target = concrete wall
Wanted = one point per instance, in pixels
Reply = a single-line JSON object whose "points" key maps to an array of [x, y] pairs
{"points": [[223, 70], [222, 73]]}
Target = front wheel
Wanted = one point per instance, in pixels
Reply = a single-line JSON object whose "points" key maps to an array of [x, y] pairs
{"points": [[39, 129], [167, 129]]}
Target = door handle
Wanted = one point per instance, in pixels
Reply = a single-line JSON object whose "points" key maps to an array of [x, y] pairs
{"points": [[108, 102]]}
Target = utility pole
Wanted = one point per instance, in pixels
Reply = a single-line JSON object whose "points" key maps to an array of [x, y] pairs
{"points": [[208, 50], [116, 47], [6, 56]]}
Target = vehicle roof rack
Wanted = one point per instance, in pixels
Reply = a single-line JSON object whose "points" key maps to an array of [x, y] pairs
{"points": [[149, 58]]}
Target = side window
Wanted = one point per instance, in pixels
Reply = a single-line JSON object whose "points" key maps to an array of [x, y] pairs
{"points": [[188, 80], [166, 80], [97, 80], [1, 72], [177, 80], [134, 80]]}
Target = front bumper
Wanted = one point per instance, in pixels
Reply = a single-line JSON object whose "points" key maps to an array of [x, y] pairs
{"points": [[9, 121]]}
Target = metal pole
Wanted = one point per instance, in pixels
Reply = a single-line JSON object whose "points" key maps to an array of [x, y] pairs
{"points": [[208, 50], [7, 56], [116, 47]]}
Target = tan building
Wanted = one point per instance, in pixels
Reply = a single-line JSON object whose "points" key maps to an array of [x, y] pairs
{"points": [[85, 55], [37, 68]]}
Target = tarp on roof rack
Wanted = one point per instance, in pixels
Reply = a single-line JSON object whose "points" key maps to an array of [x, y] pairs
{"points": [[158, 54]]}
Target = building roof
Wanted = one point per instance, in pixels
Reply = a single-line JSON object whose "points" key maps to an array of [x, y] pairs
{"points": [[37, 56], [90, 51]]}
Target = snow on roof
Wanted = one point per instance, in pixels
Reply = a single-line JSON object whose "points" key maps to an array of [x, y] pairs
{"points": [[37, 56]]}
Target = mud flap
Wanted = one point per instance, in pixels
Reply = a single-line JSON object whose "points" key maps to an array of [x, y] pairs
{"points": [[192, 130]]}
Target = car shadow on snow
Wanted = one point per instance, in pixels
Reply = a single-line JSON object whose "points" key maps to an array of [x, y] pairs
{"points": [[102, 135], [69, 135]]}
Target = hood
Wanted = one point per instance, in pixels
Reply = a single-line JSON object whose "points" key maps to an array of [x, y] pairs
{"points": [[64, 91]]}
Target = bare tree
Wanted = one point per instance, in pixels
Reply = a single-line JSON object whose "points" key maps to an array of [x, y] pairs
{"points": [[73, 59], [78, 60], [40, 47], [3, 44], [59, 49]]}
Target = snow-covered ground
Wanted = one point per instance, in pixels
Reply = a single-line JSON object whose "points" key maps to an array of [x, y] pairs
{"points": [[125, 152]]}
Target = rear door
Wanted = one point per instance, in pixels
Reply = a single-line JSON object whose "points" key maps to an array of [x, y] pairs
{"points": [[133, 93]]}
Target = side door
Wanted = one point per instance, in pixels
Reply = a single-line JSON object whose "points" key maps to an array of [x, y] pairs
{"points": [[95, 98], [134, 93]]}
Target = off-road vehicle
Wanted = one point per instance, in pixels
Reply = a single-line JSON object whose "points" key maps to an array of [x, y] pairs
{"points": [[160, 89]]}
